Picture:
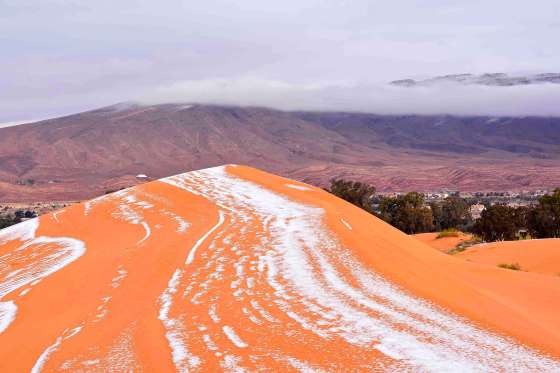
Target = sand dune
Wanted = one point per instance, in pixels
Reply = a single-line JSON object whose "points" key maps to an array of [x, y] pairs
{"points": [[539, 256], [233, 269]]}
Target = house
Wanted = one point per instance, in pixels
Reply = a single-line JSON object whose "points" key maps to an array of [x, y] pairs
{"points": [[476, 210]]}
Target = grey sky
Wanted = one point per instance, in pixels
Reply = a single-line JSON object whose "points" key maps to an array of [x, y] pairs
{"points": [[65, 56]]}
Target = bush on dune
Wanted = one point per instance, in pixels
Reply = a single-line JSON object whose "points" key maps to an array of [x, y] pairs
{"points": [[512, 266], [6, 221], [450, 232]]}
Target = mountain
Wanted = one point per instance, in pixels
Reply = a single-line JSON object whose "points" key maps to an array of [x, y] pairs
{"points": [[84, 155], [490, 79], [234, 269]]}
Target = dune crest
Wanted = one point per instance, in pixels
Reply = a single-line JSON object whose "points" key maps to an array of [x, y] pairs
{"points": [[233, 269]]}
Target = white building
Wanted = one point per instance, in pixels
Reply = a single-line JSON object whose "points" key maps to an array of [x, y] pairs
{"points": [[476, 210]]}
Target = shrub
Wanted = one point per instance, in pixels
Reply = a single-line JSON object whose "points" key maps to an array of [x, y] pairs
{"points": [[6, 221], [449, 232], [462, 246], [512, 266]]}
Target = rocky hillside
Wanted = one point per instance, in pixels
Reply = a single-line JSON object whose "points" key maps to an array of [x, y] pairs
{"points": [[86, 154]]}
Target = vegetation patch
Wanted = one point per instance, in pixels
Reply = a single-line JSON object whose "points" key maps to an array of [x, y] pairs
{"points": [[512, 266], [462, 246], [411, 214], [6, 221], [505, 223], [449, 232]]}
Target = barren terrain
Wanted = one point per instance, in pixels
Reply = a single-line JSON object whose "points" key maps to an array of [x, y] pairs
{"points": [[83, 155]]}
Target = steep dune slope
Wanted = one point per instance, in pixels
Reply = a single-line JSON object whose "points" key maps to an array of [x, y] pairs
{"points": [[539, 256], [232, 268]]}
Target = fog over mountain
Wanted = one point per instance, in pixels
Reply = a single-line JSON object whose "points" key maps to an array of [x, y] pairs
{"points": [[62, 57], [489, 79], [380, 98]]}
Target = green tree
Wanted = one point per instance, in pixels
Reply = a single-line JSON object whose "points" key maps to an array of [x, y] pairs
{"points": [[407, 213], [437, 213], [453, 212], [355, 192], [544, 219], [499, 223], [456, 213], [6, 221]]}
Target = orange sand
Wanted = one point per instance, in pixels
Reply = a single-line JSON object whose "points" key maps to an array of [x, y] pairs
{"points": [[230, 269], [539, 256], [443, 244]]}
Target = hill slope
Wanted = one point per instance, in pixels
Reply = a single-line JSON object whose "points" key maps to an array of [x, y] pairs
{"points": [[232, 268], [85, 154], [539, 256]]}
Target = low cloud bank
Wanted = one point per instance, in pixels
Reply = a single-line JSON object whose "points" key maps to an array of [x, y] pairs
{"points": [[381, 98], [17, 123]]}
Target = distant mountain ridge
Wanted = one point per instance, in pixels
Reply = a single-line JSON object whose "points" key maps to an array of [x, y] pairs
{"points": [[489, 79], [83, 155]]}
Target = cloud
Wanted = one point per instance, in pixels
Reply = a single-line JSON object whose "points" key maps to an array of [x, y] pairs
{"points": [[61, 56], [455, 99], [17, 123]]}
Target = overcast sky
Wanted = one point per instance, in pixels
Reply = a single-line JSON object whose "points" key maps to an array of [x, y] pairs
{"points": [[64, 56]]}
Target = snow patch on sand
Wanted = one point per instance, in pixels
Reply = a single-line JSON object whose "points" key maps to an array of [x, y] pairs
{"points": [[45, 355], [231, 364], [182, 358], [346, 224], [67, 334], [233, 337], [88, 206], [50, 261], [192, 253], [40, 260], [212, 313], [297, 187], [182, 224], [23, 231], [8, 312], [56, 213], [147, 234], [302, 366]]}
